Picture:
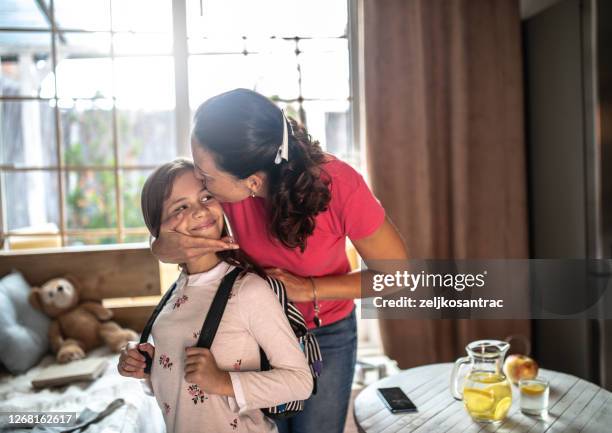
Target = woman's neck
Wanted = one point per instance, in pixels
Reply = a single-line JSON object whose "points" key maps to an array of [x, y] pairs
{"points": [[202, 263]]}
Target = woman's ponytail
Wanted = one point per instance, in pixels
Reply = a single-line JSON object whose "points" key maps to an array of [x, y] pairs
{"points": [[298, 190]]}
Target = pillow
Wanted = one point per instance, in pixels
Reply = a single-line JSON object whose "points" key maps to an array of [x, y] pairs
{"points": [[23, 330]]}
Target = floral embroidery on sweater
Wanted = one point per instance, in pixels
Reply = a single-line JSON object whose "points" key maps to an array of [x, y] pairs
{"points": [[234, 424], [180, 301], [237, 364], [197, 395], [164, 361], [166, 408]]}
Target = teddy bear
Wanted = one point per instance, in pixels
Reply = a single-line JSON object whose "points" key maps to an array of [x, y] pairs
{"points": [[77, 326]]}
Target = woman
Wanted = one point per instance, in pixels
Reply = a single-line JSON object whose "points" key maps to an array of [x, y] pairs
{"points": [[292, 207]]}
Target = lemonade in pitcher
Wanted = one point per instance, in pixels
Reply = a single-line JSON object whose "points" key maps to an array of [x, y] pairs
{"points": [[485, 390], [487, 396]]}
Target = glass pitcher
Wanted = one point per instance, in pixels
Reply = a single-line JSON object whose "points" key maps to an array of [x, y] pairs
{"points": [[485, 391]]}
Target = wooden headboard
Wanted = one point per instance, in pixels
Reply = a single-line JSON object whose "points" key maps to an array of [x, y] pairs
{"points": [[126, 278]]}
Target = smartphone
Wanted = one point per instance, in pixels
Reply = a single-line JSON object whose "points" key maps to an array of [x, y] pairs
{"points": [[230, 232], [395, 400]]}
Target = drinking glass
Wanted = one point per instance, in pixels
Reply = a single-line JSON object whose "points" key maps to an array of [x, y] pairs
{"points": [[534, 396]]}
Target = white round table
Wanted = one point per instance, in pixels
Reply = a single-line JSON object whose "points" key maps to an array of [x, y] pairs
{"points": [[575, 405]]}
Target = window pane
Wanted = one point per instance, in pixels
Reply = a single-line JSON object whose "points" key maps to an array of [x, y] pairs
{"points": [[87, 132], [275, 68], [210, 75], [125, 44], [320, 18], [32, 200], [272, 71], [146, 137], [82, 15], [21, 14], [220, 18], [213, 74], [145, 109], [256, 18], [330, 123], [84, 68], [26, 64], [142, 15], [325, 68], [27, 134], [226, 45], [145, 82], [90, 199], [267, 17], [132, 187]]}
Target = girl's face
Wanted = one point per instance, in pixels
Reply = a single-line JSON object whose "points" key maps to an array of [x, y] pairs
{"points": [[222, 185], [201, 213]]}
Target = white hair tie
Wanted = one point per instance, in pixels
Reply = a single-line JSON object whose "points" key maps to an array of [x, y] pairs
{"points": [[283, 150]]}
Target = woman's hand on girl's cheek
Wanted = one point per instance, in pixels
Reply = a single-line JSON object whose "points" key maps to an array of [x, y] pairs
{"points": [[172, 224], [299, 289], [174, 246], [201, 369]]}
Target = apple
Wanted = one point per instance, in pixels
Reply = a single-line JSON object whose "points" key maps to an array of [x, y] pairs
{"points": [[518, 367]]}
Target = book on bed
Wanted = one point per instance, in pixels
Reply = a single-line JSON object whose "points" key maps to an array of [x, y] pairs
{"points": [[61, 374]]}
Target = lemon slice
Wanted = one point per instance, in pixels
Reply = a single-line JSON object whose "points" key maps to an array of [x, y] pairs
{"points": [[533, 389], [478, 400], [499, 390], [502, 408]]}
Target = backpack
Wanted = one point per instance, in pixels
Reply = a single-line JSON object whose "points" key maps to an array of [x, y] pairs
{"points": [[307, 341]]}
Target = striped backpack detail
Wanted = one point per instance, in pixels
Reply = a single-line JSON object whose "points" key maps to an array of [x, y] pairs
{"points": [[308, 343]]}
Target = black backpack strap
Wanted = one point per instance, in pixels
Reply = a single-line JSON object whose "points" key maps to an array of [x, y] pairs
{"points": [[264, 363], [146, 332], [215, 313]]}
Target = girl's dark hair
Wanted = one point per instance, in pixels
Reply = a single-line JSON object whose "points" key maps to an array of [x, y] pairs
{"points": [[156, 190], [243, 130]]}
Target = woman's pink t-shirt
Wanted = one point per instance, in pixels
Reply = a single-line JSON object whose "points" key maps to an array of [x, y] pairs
{"points": [[353, 211]]}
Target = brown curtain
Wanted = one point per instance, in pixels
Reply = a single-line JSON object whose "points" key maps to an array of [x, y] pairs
{"points": [[444, 119]]}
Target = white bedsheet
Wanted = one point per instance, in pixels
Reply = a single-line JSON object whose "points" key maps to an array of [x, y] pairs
{"points": [[140, 414]]}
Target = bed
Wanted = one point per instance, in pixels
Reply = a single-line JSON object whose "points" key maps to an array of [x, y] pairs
{"points": [[129, 281], [140, 412]]}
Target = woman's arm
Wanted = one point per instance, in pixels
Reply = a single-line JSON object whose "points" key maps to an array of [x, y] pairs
{"points": [[384, 244], [290, 378]]}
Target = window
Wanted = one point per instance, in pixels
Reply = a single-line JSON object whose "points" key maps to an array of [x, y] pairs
{"points": [[94, 95]]}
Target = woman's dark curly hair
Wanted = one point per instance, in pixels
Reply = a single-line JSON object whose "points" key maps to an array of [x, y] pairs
{"points": [[243, 130]]}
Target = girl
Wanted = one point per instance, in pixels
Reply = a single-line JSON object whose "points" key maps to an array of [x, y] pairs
{"points": [[292, 208], [217, 390]]}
